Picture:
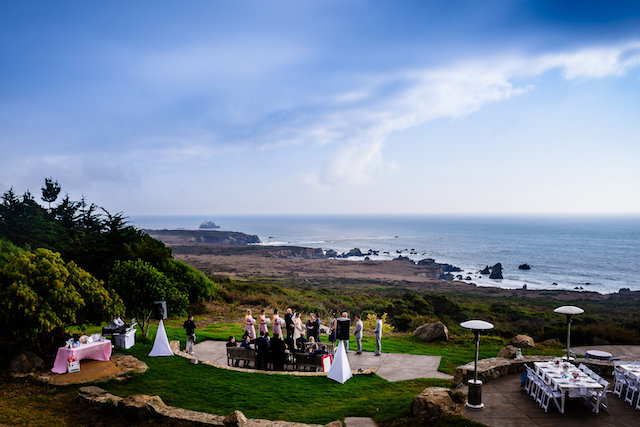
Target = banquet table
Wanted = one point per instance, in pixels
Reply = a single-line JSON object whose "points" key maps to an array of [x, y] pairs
{"points": [[568, 385], [631, 370], [99, 350]]}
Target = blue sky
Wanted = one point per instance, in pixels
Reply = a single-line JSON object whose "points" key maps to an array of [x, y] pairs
{"points": [[340, 107]]}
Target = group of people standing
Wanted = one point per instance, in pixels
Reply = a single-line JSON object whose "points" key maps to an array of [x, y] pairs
{"points": [[299, 333]]}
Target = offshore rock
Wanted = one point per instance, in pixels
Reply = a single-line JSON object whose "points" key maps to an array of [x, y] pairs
{"points": [[524, 267], [496, 272], [403, 259], [331, 253], [352, 252], [208, 225], [485, 270]]}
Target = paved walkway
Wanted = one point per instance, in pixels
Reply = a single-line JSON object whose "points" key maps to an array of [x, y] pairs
{"points": [[390, 366], [623, 352], [506, 404]]}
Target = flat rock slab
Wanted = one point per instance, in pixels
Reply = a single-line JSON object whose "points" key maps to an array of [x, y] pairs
{"points": [[90, 371], [390, 366], [359, 422]]}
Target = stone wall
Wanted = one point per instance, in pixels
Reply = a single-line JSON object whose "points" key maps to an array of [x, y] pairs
{"points": [[143, 407], [496, 367]]}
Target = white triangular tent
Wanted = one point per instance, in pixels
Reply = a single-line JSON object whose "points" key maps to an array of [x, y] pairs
{"points": [[161, 344], [340, 370]]}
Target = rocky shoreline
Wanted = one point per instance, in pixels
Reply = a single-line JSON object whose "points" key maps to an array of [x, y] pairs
{"points": [[239, 255]]}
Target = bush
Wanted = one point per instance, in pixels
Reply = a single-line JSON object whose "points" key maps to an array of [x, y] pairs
{"points": [[41, 296]]}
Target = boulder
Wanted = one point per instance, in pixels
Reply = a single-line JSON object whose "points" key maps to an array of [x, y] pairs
{"points": [[446, 276], [429, 332], [433, 403], [485, 270], [524, 267], [235, 419], [141, 406], [552, 342], [508, 352], [496, 271], [427, 261], [522, 341], [26, 362]]}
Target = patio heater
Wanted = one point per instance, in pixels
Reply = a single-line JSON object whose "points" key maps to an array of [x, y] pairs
{"points": [[475, 385], [569, 310]]}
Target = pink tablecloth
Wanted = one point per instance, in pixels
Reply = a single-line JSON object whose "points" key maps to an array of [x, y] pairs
{"points": [[100, 350]]}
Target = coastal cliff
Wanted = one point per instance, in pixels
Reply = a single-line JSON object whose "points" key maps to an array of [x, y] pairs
{"points": [[184, 237]]}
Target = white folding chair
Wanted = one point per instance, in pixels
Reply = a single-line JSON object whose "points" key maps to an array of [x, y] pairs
{"points": [[597, 399], [582, 367], [529, 380], [632, 389], [542, 386], [620, 380], [550, 393]]}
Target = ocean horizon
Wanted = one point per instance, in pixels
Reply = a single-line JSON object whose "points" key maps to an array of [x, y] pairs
{"points": [[588, 253]]}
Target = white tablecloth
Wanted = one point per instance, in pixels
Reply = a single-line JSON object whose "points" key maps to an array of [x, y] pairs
{"points": [[569, 386]]}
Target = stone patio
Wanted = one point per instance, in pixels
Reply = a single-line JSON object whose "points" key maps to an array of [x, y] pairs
{"points": [[390, 366], [506, 404]]}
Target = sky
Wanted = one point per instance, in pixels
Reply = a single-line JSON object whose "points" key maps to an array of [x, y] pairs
{"points": [[324, 107]]}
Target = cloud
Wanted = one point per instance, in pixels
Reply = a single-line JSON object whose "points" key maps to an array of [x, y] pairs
{"points": [[405, 99]]}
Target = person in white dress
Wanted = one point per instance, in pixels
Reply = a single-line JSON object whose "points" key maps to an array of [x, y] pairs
{"points": [[298, 329], [249, 321]]}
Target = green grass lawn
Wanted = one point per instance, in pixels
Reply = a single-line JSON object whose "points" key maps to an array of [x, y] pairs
{"points": [[286, 397], [277, 397]]}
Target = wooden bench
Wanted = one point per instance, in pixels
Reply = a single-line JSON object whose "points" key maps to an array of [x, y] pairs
{"points": [[310, 362], [240, 354]]}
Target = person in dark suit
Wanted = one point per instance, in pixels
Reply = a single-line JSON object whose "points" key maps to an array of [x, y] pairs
{"points": [[262, 351], [311, 325], [288, 321], [277, 352], [316, 328], [321, 351]]}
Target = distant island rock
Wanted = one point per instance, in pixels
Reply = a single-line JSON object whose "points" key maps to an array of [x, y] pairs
{"points": [[524, 267], [208, 225], [485, 270]]}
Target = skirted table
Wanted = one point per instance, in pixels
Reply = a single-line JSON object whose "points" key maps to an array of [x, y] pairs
{"points": [[99, 350]]}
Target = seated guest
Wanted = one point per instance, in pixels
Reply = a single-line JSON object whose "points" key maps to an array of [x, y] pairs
{"points": [[246, 343], [262, 351], [321, 351], [232, 341], [300, 344], [277, 352], [311, 345]]}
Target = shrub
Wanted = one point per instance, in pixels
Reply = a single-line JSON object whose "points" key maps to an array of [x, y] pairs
{"points": [[41, 296]]}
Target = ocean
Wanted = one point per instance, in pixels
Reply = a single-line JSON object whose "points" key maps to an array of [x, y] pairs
{"points": [[599, 254]]}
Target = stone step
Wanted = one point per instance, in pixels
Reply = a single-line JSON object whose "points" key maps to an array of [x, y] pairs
{"points": [[359, 422]]}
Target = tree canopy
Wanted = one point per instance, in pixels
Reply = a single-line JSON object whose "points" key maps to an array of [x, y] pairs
{"points": [[140, 284], [41, 296]]}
